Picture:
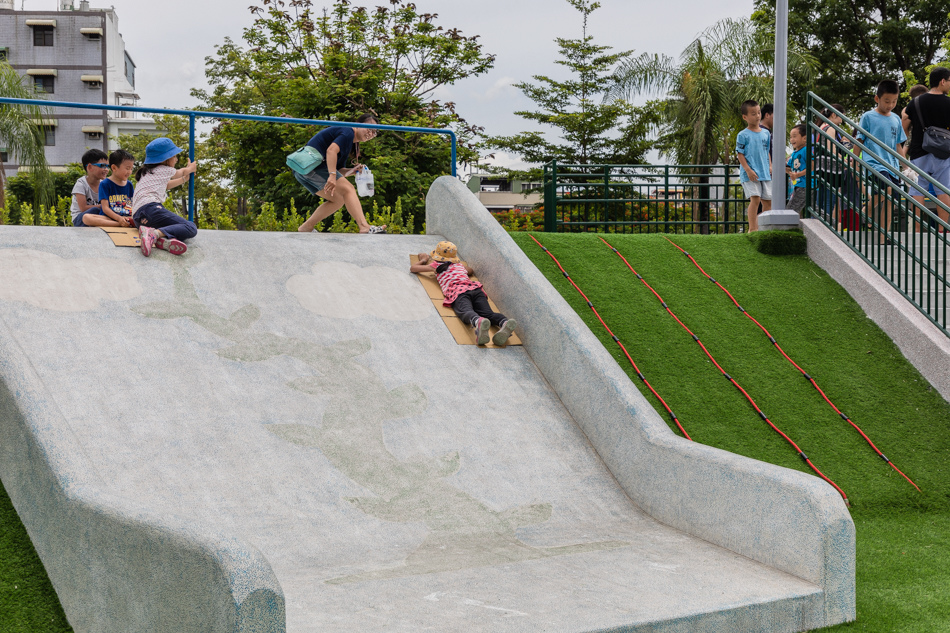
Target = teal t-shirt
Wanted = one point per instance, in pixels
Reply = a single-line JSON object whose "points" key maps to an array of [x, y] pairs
{"points": [[886, 129], [797, 163], [755, 147]]}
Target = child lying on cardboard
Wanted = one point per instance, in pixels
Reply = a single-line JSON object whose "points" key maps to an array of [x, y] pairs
{"points": [[464, 294]]}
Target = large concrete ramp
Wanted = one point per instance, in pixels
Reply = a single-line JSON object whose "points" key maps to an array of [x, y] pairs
{"points": [[277, 432]]}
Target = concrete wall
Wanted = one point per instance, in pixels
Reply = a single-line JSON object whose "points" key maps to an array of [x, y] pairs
{"points": [[105, 545], [786, 519]]}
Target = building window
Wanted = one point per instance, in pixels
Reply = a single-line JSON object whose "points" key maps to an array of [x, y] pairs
{"points": [[42, 36], [130, 70], [4, 156], [4, 54], [50, 132], [44, 83]]}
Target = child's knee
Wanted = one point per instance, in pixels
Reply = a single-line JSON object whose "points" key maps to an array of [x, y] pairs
{"points": [[189, 230]]}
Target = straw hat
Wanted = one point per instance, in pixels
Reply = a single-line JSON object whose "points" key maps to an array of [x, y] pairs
{"points": [[445, 252]]}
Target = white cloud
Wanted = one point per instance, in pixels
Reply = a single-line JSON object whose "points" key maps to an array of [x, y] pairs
{"points": [[67, 285], [502, 87], [347, 291]]}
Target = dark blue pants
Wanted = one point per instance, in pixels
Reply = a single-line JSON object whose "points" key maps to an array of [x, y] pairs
{"points": [[473, 304], [155, 216]]}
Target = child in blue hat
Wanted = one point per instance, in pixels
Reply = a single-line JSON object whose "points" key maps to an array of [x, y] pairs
{"points": [[158, 226]]}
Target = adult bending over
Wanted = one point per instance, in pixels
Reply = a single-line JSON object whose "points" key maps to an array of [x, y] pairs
{"points": [[328, 180]]}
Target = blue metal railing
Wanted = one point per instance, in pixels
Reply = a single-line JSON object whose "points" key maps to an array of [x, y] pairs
{"points": [[906, 241], [197, 114]]}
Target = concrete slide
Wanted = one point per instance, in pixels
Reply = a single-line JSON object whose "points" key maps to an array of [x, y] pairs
{"points": [[276, 432]]}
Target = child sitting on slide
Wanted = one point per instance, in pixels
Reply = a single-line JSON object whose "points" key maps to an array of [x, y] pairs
{"points": [[158, 226], [464, 294], [115, 192]]}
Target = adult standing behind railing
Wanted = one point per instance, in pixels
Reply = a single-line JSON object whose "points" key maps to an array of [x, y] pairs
{"points": [[931, 110], [328, 180]]}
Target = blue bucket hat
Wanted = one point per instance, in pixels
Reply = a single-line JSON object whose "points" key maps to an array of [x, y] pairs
{"points": [[160, 150]]}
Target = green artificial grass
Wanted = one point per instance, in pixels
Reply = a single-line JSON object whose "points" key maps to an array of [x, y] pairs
{"points": [[902, 535], [28, 603]]}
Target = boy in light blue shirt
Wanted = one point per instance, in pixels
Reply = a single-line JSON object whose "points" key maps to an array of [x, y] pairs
{"points": [[885, 127], [755, 171]]}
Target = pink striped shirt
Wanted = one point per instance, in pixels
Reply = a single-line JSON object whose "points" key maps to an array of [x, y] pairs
{"points": [[454, 281]]}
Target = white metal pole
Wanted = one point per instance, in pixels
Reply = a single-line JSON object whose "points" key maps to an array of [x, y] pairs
{"points": [[779, 190]]}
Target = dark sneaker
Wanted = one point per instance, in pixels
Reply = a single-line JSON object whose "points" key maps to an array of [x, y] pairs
{"points": [[170, 244], [482, 325], [507, 329], [146, 240]]}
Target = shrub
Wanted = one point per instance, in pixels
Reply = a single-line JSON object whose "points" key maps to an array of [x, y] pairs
{"points": [[779, 242]]}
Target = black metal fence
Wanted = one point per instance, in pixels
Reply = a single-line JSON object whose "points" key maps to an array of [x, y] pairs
{"points": [[644, 198], [874, 212]]}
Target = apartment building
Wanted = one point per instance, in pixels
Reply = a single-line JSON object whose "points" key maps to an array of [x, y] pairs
{"points": [[73, 54]]}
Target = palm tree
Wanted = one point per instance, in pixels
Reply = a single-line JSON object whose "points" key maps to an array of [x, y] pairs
{"points": [[21, 135], [727, 64]]}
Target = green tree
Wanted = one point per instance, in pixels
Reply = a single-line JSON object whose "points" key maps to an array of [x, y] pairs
{"points": [[21, 136], [728, 63], [336, 65], [857, 44], [590, 129]]}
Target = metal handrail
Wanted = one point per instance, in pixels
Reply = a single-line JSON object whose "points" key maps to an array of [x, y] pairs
{"points": [[196, 114], [920, 241]]}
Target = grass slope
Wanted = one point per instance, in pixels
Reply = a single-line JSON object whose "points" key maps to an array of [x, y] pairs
{"points": [[902, 535], [28, 603]]}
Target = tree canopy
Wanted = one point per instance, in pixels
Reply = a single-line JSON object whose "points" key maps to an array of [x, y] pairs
{"points": [[858, 44], [702, 91], [336, 64], [589, 129]]}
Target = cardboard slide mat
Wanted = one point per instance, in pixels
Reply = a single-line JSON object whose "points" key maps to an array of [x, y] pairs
{"points": [[122, 236], [463, 334]]}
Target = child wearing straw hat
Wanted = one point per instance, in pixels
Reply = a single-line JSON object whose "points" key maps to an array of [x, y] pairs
{"points": [[464, 294]]}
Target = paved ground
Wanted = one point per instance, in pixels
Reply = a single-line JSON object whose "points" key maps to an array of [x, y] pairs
{"points": [[301, 393]]}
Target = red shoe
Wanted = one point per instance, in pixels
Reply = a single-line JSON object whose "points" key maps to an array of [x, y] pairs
{"points": [[170, 244]]}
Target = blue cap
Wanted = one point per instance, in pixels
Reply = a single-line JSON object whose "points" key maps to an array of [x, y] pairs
{"points": [[160, 150]]}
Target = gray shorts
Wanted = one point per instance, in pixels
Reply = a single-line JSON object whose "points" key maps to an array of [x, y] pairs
{"points": [[316, 180], [797, 201], [936, 168], [761, 188]]}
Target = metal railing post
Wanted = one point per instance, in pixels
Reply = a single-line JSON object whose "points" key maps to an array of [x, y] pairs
{"points": [[809, 152], [191, 177]]}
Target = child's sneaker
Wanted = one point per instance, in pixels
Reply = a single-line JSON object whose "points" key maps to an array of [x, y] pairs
{"points": [[170, 244], [146, 240], [482, 325], [507, 329]]}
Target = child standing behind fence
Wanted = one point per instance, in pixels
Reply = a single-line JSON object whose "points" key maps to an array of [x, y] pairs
{"points": [[158, 226], [752, 148]]}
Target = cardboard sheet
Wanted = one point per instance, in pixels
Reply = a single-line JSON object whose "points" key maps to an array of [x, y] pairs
{"points": [[463, 334], [122, 236]]}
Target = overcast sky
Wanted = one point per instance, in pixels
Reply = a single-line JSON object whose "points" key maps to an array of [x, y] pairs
{"points": [[169, 40]]}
